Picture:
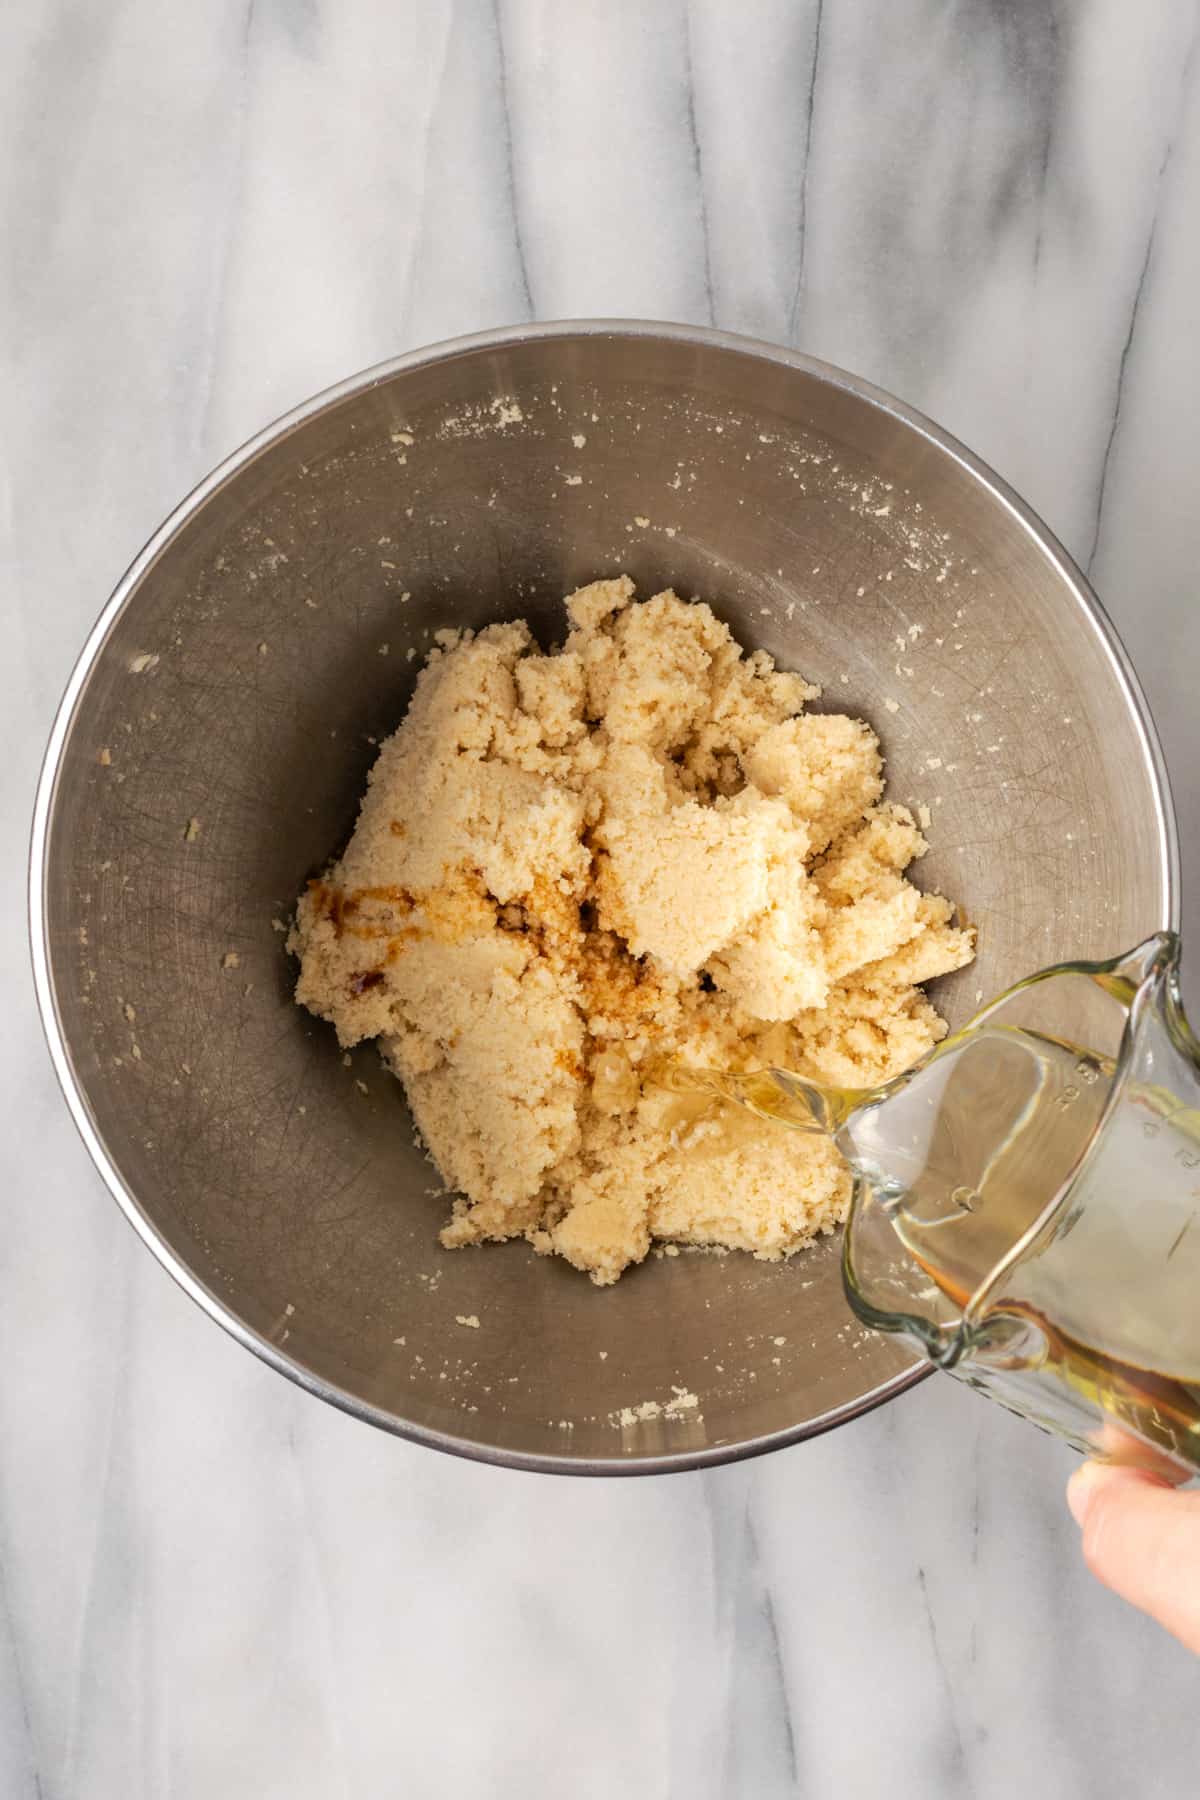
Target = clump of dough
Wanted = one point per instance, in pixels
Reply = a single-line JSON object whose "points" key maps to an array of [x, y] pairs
{"points": [[570, 867]]}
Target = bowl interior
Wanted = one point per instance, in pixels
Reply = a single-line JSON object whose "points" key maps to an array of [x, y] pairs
{"points": [[220, 738]]}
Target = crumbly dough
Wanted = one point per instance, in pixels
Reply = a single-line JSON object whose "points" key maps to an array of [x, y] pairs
{"points": [[568, 867]]}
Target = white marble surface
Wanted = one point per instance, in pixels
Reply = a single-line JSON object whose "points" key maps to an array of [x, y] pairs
{"points": [[210, 1585]]}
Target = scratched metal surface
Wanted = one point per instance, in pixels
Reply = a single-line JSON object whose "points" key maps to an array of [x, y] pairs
{"points": [[241, 686]]}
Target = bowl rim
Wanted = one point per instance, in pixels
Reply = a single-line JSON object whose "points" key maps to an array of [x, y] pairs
{"points": [[48, 782]]}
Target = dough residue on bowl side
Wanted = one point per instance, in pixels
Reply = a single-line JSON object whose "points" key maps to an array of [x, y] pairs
{"points": [[569, 867]]}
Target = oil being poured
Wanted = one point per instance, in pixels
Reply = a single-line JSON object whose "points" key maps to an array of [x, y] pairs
{"points": [[1071, 1312], [963, 1153]]}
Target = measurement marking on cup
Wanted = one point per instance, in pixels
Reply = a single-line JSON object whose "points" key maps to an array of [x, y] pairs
{"points": [[1187, 1226]]}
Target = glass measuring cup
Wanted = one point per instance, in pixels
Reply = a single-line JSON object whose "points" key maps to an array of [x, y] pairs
{"points": [[1027, 1203]]}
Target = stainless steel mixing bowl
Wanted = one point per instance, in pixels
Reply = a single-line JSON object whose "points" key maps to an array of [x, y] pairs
{"points": [[216, 735]]}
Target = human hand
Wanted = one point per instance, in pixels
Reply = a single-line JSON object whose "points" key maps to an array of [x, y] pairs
{"points": [[1141, 1538]]}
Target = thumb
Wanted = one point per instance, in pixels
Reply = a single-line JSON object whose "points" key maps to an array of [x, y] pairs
{"points": [[1141, 1538]]}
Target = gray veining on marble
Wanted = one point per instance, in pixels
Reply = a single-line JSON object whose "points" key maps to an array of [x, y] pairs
{"points": [[209, 1584]]}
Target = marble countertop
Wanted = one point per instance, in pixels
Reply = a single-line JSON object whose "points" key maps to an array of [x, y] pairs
{"points": [[210, 1584]]}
